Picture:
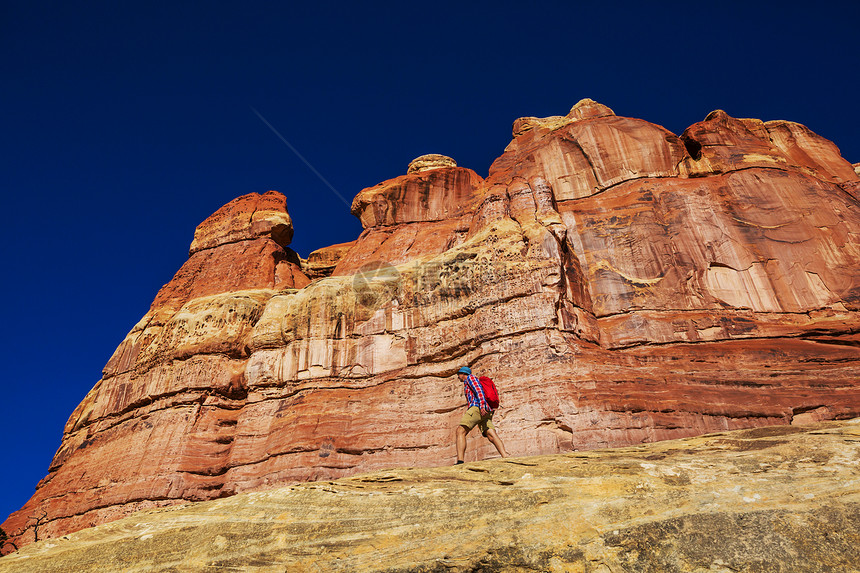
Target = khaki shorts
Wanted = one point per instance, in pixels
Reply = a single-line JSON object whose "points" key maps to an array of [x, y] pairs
{"points": [[473, 418]]}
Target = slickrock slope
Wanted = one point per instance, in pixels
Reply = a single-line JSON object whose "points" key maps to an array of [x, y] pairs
{"points": [[779, 499], [621, 284]]}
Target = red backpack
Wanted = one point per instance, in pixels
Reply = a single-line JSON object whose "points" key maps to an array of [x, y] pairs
{"points": [[490, 392]]}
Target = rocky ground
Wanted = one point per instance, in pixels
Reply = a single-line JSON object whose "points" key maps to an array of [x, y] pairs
{"points": [[780, 498]]}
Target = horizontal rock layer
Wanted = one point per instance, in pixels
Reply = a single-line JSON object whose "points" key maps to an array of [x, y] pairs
{"points": [[620, 283], [781, 499]]}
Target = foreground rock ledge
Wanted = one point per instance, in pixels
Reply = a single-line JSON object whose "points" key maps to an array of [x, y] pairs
{"points": [[780, 498]]}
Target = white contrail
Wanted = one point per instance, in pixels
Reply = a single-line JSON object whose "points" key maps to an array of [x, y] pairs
{"points": [[300, 156]]}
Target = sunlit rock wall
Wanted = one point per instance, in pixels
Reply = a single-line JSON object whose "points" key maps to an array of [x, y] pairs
{"points": [[620, 283]]}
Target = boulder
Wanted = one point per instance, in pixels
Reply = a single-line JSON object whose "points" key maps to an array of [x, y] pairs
{"points": [[428, 162]]}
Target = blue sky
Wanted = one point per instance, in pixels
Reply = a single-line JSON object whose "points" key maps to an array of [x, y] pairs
{"points": [[126, 124]]}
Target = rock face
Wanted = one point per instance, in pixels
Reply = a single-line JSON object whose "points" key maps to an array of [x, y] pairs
{"points": [[781, 499], [322, 262], [620, 283], [428, 162]]}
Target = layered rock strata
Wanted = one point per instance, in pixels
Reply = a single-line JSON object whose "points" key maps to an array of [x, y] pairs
{"points": [[782, 499], [428, 162], [621, 284]]}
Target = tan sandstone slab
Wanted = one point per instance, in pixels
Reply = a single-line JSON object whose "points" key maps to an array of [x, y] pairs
{"points": [[782, 499]]}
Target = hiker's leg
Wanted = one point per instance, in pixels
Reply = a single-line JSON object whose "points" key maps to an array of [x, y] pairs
{"points": [[471, 418], [497, 441], [461, 442]]}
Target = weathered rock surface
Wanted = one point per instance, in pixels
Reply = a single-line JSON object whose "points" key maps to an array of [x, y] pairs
{"points": [[408, 218], [428, 162], [247, 218], [780, 499], [621, 284], [322, 262], [241, 246]]}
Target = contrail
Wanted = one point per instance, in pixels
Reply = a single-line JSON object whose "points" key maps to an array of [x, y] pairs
{"points": [[302, 157]]}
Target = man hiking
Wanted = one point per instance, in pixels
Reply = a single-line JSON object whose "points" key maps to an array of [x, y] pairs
{"points": [[478, 413]]}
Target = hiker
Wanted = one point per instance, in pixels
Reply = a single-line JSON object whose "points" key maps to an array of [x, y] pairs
{"points": [[478, 413]]}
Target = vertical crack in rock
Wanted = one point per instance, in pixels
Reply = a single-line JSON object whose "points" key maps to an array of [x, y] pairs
{"points": [[693, 147]]}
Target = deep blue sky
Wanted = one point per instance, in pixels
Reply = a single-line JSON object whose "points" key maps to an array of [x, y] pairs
{"points": [[126, 124]]}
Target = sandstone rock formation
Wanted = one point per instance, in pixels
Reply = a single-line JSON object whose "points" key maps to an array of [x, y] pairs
{"points": [[782, 499], [621, 284], [428, 162], [322, 262]]}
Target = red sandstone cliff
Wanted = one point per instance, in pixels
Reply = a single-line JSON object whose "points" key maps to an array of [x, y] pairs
{"points": [[622, 285]]}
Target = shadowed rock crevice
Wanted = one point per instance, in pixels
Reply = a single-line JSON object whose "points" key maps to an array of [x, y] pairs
{"points": [[694, 148]]}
